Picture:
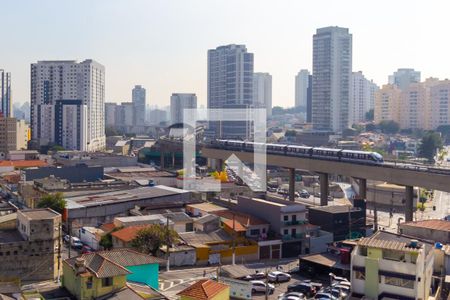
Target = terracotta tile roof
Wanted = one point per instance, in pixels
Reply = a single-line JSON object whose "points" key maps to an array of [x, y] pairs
{"points": [[127, 234], [245, 219], [23, 163], [108, 227], [429, 224], [203, 289], [238, 227]]}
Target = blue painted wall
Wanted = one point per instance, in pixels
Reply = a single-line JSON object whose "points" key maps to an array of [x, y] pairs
{"points": [[147, 274]]}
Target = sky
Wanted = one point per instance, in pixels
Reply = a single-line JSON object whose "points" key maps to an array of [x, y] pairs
{"points": [[162, 44]]}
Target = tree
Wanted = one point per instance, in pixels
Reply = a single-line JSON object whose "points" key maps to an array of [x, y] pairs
{"points": [[445, 131], [54, 201], [389, 127], [431, 142], [370, 127], [106, 241], [370, 115], [151, 238]]}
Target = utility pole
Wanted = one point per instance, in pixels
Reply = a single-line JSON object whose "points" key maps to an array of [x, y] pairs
{"points": [[167, 245], [59, 251], [234, 242], [267, 285], [349, 222]]}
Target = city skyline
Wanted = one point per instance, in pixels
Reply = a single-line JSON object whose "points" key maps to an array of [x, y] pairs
{"points": [[171, 49]]}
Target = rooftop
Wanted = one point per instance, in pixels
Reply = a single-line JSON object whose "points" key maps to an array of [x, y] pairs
{"points": [[205, 219], [206, 207], [153, 217], [392, 241], [202, 238], [127, 234], [39, 213], [203, 289], [140, 193], [242, 218], [336, 209], [113, 262], [429, 224], [178, 217], [23, 163], [10, 236]]}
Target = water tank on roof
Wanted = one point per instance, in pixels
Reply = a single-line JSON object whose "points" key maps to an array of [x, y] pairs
{"points": [[438, 245]]}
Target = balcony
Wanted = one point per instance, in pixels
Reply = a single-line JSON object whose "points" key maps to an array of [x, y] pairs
{"points": [[297, 222]]}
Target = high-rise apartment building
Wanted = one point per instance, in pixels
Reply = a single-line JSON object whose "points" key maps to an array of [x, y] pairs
{"points": [[387, 103], [404, 77], [178, 102], [362, 97], [8, 136], [332, 68], [67, 104], [138, 99], [5, 93], [125, 114], [230, 85], [262, 91], [22, 135], [424, 105]]}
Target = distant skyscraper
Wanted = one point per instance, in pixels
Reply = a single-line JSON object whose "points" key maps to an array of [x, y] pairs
{"points": [[125, 114], [157, 116], [138, 99], [387, 104], [262, 91], [68, 104], [178, 102], [309, 100], [332, 68], [301, 88], [362, 97], [5, 93], [110, 114], [230, 85], [404, 77]]}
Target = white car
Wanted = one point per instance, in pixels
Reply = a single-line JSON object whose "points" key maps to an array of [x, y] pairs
{"points": [[278, 276], [292, 296], [259, 286]]}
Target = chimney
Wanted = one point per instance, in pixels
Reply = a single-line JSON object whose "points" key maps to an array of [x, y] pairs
{"points": [[80, 265]]}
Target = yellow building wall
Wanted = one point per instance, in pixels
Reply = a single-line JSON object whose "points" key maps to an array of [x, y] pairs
{"points": [[375, 253], [76, 285]]}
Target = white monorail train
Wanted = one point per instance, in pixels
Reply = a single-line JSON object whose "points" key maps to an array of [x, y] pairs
{"points": [[355, 156]]}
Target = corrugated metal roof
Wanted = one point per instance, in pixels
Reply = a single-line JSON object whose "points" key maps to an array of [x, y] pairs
{"points": [[390, 241], [429, 224]]}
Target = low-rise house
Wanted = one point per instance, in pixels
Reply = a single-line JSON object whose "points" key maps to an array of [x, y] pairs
{"points": [[387, 265], [201, 209], [287, 222], [181, 221], [243, 224], [29, 252], [433, 230], [91, 236], [155, 219], [206, 223], [206, 289], [124, 237], [99, 274], [217, 247]]}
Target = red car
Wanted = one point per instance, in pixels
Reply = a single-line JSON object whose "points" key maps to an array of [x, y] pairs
{"points": [[86, 249]]}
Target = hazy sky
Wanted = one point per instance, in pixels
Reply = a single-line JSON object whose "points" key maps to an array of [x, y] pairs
{"points": [[162, 44]]}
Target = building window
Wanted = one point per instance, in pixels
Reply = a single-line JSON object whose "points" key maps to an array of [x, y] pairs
{"points": [[286, 218], [254, 232], [108, 281], [286, 231], [360, 275], [89, 283], [404, 283]]}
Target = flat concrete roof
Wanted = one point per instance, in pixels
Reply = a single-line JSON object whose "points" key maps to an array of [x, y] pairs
{"points": [[10, 236], [39, 214]]}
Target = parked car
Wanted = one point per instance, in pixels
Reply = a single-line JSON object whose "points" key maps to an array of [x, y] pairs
{"points": [[278, 276], [306, 288], [324, 296], [256, 276], [259, 286], [304, 194], [343, 287], [292, 296], [86, 249]]}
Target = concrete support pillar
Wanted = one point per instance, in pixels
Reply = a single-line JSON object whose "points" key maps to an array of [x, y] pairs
{"points": [[409, 203], [161, 156], [291, 184], [324, 190], [362, 182]]}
